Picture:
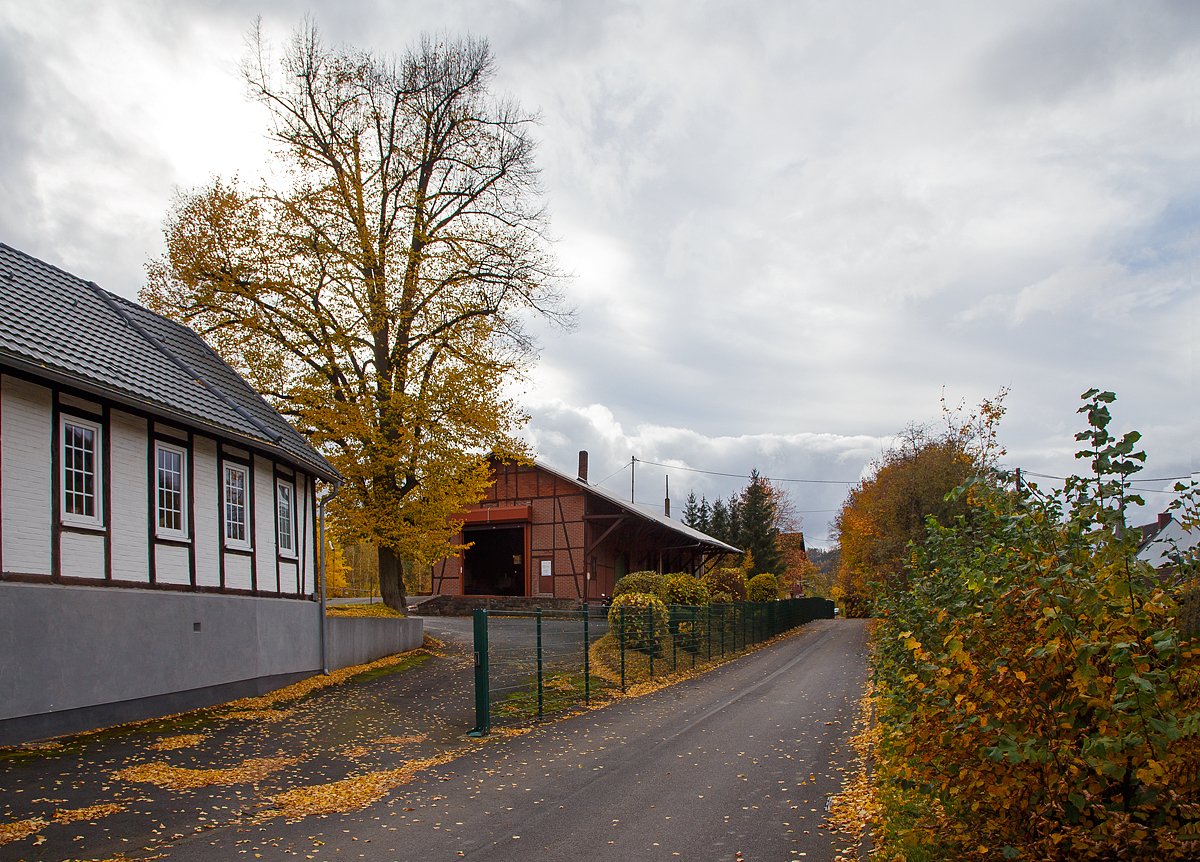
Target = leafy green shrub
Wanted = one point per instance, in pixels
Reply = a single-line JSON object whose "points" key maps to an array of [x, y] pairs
{"points": [[763, 588], [1036, 699], [683, 589], [689, 625], [642, 582], [729, 581], [638, 608], [720, 598]]}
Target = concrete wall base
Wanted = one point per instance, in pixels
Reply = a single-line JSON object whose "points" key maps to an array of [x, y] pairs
{"points": [[358, 640], [77, 658], [27, 728]]}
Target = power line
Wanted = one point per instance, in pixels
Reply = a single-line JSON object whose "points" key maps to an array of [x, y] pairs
{"points": [[610, 475], [740, 476], [1064, 478]]}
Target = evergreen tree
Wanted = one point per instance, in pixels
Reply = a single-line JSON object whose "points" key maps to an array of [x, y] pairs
{"points": [[757, 533], [691, 511], [705, 516], [734, 534], [718, 523]]}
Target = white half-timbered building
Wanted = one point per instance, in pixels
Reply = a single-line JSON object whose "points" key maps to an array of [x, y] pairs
{"points": [[158, 529]]}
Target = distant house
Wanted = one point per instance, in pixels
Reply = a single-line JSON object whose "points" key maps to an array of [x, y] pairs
{"points": [[1162, 538], [543, 533], [158, 525]]}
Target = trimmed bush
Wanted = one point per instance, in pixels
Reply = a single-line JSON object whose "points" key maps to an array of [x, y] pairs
{"points": [[763, 588], [638, 608], [729, 581], [720, 598], [683, 589], [642, 582]]}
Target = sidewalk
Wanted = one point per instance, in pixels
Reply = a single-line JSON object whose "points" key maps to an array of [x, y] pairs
{"points": [[129, 791]]}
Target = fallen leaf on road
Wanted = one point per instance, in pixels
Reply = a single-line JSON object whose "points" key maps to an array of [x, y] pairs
{"points": [[92, 812], [20, 829], [179, 778], [185, 741], [351, 794]]}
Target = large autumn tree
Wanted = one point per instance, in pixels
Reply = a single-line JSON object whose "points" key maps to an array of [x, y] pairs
{"points": [[376, 289]]}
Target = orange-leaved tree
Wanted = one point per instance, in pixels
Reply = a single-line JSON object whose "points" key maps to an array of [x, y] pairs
{"points": [[886, 513]]}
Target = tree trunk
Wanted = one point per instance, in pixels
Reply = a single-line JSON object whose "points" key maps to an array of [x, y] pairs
{"points": [[391, 580]]}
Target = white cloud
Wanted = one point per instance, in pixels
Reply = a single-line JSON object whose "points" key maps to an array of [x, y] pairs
{"points": [[790, 223]]}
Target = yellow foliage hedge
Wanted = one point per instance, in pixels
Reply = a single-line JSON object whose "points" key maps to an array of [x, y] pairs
{"points": [[1037, 698]]}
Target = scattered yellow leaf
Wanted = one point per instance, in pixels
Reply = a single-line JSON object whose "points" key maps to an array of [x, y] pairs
{"points": [[179, 778]]}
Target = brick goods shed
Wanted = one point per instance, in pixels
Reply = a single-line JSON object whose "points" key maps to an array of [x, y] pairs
{"points": [[541, 533]]}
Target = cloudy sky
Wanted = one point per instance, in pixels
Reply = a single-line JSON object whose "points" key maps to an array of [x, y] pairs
{"points": [[793, 226]]}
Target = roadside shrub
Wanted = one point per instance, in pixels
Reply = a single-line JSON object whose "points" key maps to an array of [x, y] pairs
{"points": [[638, 607], [721, 598], [729, 581], [763, 588], [683, 589], [1036, 698], [689, 626], [642, 582]]}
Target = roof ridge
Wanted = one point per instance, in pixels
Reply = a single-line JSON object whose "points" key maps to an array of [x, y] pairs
{"points": [[110, 300], [198, 338]]}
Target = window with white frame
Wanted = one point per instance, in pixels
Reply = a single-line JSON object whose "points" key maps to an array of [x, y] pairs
{"points": [[80, 494], [285, 496], [236, 496], [170, 490]]}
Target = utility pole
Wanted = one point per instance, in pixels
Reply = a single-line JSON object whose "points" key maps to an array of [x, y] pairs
{"points": [[632, 477]]}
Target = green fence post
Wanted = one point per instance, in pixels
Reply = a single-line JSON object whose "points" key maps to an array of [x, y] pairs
{"points": [[653, 644], [587, 671], [674, 637], [708, 634], [622, 649], [539, 650], [722, 630], [693, 640], [483, 719]]}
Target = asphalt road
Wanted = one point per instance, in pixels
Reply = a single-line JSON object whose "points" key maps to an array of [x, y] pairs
{"points": [[734, 765]]}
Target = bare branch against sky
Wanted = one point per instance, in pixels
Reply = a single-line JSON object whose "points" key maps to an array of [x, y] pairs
{"points": [[792, 225]]}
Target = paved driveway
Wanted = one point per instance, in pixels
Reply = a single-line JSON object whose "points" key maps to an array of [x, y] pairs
{"points": [[734, 765], [731, 765]]}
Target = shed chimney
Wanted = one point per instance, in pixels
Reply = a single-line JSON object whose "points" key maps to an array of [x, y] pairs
{"points": [[582, 465]]}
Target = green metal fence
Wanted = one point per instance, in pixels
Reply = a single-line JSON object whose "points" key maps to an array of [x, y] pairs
{"points": [[529, 664]]}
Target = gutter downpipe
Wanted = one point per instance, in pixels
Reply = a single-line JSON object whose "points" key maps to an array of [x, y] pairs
{"points": [[324, 622]]}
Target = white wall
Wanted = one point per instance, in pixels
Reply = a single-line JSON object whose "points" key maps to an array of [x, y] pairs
{"points": [[237, 572], [264, 523], [304, 528], [26, 426], [27, 511], [207, 512], [129, 491], [171, 565], [81, 555]]}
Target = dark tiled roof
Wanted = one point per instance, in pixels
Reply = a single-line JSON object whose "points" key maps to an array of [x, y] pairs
{"points": [[74, 331]]}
